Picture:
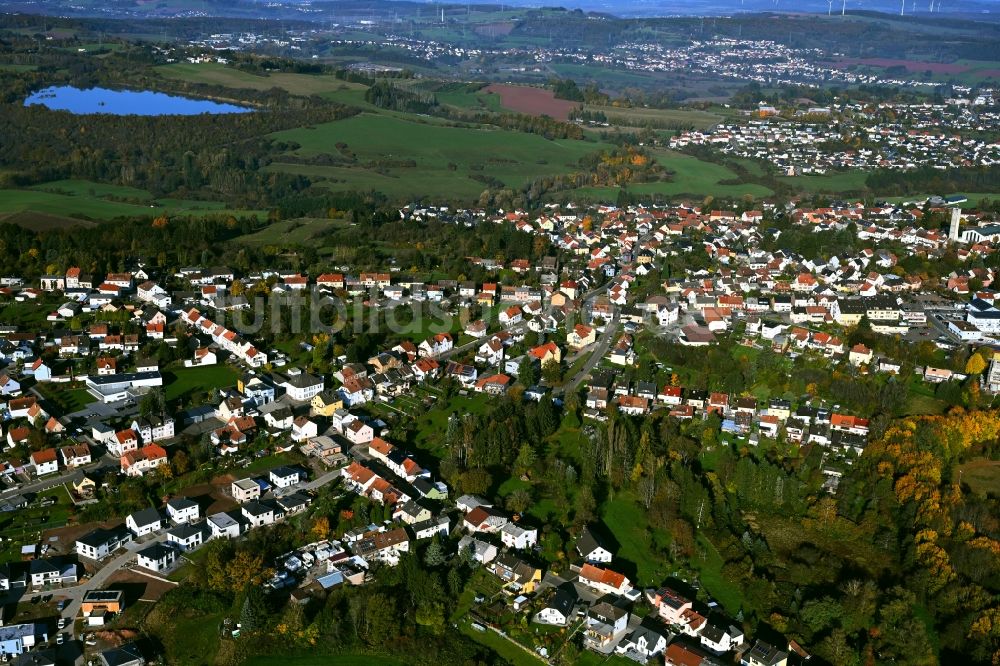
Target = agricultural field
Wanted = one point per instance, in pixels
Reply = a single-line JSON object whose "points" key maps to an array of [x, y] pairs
{"points": [[409, 158], [221, 75], [532, 101]]}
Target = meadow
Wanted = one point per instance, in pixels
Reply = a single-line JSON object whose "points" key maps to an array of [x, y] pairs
{"points": [[444, 159], [98, 201], [229, 77]]}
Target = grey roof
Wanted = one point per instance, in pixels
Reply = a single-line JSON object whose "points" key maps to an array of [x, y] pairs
{"points": [[563, 599], [188, 530], [146, 517], [284, 471], [257, 508], [156, 551], [587, 543], [179, 503]]}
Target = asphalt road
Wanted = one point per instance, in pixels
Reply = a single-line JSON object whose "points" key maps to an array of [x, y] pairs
{"points": [[601, 348]]}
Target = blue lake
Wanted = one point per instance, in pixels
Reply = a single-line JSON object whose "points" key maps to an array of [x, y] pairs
{"points": [[126, 102]]}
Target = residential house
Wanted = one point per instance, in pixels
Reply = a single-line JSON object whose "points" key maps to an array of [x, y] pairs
{"points": [[245, 490], [285, 477], [183, 510], [591, 549], [75, 455], [557, 608], [144, 522], [604, 581], [517, 537], [45, 461], [519, 577], [188, 536], [101, 543], [149, 457], [156, 557]]}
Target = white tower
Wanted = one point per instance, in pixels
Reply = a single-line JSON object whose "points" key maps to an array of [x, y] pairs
{"points": [[956, 217]]}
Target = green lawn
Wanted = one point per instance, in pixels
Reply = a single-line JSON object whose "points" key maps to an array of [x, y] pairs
{"points": [[181, 382], [69, 398], [710, 574], [26, 525], [974, 198], [627, 521], [432, 425], [383, 144], [919, 405], [501, 646]]}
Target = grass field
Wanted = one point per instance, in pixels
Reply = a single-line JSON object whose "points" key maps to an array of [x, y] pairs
{"points": [[511, 157], [14, 201], [983, 476], [221, 75], [630, 527], [86, 188], [73, 198], [181, 382], [69, 398], [500, 645], [477, 101], [710, 574]]}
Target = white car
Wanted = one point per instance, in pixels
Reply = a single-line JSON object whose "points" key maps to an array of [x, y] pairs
{"points": [[60, 639]]}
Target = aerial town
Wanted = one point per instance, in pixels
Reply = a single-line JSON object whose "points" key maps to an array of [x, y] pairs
{"points": [[285, 434]]}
